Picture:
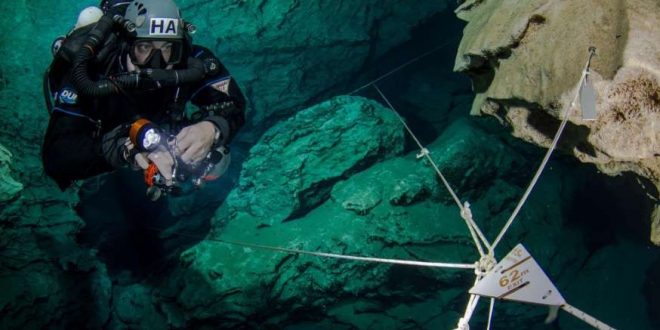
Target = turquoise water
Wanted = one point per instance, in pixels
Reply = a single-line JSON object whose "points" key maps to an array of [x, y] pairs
{"points": [[156, 265]]}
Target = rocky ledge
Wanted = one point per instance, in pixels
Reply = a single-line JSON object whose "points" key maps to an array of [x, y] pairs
{"points": [[526, 59]]}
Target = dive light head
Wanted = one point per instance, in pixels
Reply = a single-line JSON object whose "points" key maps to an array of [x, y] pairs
{"points": [[145, 135]]}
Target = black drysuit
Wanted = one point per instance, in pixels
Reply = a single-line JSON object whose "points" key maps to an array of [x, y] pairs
{"points": [[79, 124]]}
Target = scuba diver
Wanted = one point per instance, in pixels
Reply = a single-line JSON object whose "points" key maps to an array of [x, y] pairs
{"points": [[117, 91]]}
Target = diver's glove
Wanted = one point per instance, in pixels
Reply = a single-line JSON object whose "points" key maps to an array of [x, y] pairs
{"points": [[114, 147], [119, 151], [194, 142], [162, 158]]}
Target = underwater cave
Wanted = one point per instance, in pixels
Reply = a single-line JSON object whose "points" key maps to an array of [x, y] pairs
{"points": [[323, 165]]}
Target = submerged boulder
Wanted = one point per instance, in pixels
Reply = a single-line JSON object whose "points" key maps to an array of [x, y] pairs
{"points": [[526, 59], [9, 187], [295, 164], [469, 158], [395, 208]]}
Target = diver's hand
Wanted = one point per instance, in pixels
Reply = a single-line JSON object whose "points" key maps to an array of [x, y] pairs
{"points": [[195, 141], [163, 160]]}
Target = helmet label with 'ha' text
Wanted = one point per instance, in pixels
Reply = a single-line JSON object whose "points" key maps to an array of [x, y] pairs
{"points": [[164, 27]]}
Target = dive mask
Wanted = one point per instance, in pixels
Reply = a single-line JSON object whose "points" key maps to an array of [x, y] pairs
{"points": [[156, 54]]}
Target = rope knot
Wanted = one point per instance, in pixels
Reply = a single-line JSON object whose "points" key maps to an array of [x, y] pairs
{"points": [[423, 153], [466, 212], [485, 264], [462, 324]]}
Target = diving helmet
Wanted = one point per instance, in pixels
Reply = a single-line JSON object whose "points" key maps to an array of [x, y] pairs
{"points": [[160, 39]]}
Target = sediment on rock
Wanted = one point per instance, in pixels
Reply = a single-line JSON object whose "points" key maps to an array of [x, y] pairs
{"points": [[526, 58]]}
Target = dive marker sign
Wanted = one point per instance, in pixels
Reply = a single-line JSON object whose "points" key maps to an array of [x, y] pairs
{"points": [[588, 100], [519, 278], [163, 27], [587, 91], [592, 321]]}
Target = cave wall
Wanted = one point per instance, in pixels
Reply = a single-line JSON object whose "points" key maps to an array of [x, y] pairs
{"points": [[526, 58], [285, 53]]}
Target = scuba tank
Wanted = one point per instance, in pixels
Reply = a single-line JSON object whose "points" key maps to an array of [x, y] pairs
{"points": [[87, 16]]}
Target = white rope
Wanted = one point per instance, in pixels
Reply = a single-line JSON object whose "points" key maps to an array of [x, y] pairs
{"points": [[544, 162], [464, 322], [350, 257], [466, 214], [490, 313], [485, 264], [465, 211], [473, 301]]}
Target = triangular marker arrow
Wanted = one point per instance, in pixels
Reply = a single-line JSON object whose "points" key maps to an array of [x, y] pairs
{"points": [[588, 100], [518, 277]]}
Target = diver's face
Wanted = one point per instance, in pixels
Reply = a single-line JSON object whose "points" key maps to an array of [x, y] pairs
{"points": [[144, 50]]}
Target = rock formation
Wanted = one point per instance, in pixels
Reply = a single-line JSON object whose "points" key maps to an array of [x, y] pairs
{"points": [[526, 58], [286, 53], [391, 206], [9, 187], [363, 198]]}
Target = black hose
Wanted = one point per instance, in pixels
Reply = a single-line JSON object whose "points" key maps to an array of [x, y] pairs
{"points": [[46, 89], [166, 78], [81, 80], [147, 79]]}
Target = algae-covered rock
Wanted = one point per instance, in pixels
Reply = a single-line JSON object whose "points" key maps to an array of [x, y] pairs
{"points": [[134, 307], [404, 181], [526, 58], [472, 160], [8, 186], [45, 275], [296, 163], [43, 271]]}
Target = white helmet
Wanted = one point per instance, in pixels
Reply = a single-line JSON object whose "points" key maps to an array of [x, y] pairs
{"points": [[160, 37]]}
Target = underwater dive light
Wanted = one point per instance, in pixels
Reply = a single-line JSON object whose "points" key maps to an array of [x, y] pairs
{"points": [[145, 135]]}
